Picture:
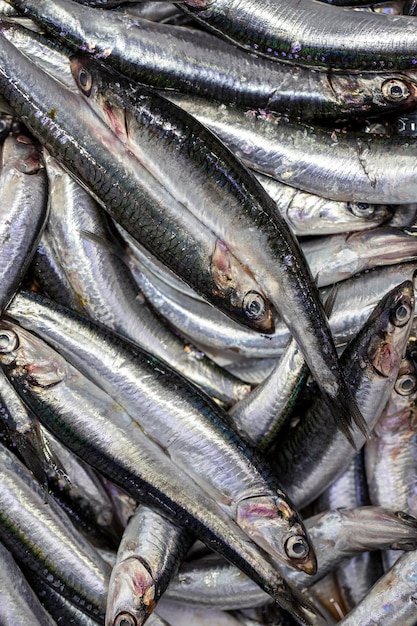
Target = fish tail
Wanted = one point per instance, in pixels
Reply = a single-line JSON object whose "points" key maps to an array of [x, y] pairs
{"points": [[347, 413]]}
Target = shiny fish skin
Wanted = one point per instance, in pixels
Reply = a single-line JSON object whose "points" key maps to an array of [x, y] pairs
{"points": [[18, 603], [308, 214], [23, 431], [240, 214], [313, 454], [348, 167], [390, 454], [23, 209], [35, 530], [108, 294], [48, 274], [336, 258], [129, 192], [355, 576], [166, 406], [106, 436], [356, 297], [62, 610], [285, 276], [391, 601], [310, 33], [259, 417], [211, 582], [199, 63], [149, 553], [80, 488]]}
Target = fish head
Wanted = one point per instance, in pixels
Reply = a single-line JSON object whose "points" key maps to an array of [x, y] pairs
{"points": [[274, 526], [400, 413], [389, 337], [375, 92], [28, 359], [132, 593], [235, 284]]}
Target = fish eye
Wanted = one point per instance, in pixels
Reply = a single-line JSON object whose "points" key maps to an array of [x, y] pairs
{"points": [[296, 547], [406, 384], [85, 81], [407, 518], [254, 305], [125, 619], [395, 90], [361, 209], [9, 341], [401, 314]]}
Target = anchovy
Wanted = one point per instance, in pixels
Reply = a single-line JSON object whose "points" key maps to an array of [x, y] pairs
{"points": [[211, 582], [313, 454], [338, 257], [122, 452], [107, 292], [391, 453], [133, 46], [309, 33], [149, 554], [240, 213], [129, 192], [166, 406], [348, 167], [308, 214], [23, 209], [278, 263]]}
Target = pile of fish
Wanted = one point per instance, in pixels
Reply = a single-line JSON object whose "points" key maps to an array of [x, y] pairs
{"points": [[208, 344]]}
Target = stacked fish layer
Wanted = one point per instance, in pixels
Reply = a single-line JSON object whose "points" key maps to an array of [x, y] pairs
{"points": [[208, 282]]}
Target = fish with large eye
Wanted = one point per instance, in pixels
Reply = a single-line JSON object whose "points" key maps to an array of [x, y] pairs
{"points": [[82, 76], [125, 619], [254, 305], [401, 314], [273, 524], [9, 341], [361, 209]]}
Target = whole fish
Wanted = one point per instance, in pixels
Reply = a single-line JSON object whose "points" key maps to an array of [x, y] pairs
{"points": [[309, 33], [260, 241], [165, 407], [133, 46], [129, 192], [123, 453]]}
